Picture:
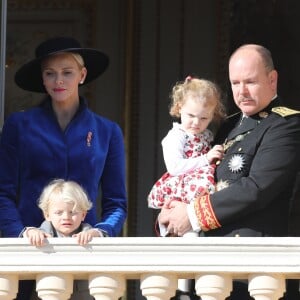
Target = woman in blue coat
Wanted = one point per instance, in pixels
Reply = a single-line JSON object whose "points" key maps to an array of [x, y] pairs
{"points": [[61, 138]]}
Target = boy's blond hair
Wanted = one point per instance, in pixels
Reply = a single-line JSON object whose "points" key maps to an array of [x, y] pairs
{"points": [[67, 191]]}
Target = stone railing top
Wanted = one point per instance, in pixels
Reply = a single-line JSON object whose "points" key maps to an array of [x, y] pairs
{"points": [[134, 256]]}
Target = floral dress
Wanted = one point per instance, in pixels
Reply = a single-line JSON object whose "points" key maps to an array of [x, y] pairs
{"points": [[192, 175]]}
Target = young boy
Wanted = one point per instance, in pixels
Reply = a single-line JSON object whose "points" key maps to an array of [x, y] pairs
{"points": [[65, 205]]}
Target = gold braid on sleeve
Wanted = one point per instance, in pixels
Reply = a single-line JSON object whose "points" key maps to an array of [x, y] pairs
{"points": [[205, 213]]}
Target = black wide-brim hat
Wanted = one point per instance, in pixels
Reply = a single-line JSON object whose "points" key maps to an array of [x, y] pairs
{"points": [[29, 76]]}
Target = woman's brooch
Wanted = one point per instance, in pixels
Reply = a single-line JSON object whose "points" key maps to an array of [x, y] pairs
{"points": [[89, 138], [236, 163]]}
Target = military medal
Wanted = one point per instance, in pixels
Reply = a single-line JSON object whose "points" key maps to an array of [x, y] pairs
{"points": [[263, 114], [222, 184], [238, 138], [236, 163]]}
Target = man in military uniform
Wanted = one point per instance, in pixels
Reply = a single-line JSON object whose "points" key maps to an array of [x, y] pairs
{"points": [[261, 158]]}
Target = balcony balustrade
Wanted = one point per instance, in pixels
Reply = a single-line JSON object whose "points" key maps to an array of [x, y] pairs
{"points": [[156, 262]]}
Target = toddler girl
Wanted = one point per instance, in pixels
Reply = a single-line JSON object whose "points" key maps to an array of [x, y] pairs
{"points": [[187, 152]]}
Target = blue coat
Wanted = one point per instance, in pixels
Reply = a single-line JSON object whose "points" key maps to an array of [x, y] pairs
{"points": [[34, 150]]}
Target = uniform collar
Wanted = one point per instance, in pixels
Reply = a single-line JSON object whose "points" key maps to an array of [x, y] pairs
{"points": [[248, 123]]}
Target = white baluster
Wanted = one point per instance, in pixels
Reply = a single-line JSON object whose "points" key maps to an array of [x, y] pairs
{"points": [[54, 286], [213, 287], [106, 286], [266, 286], [158, 287], [8, 286]]}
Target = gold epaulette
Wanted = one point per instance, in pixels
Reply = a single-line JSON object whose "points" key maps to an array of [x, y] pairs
{"points": [[285, 111]]}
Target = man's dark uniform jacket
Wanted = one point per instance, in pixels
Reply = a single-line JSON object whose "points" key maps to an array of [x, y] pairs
{"points": [[256, 176]]}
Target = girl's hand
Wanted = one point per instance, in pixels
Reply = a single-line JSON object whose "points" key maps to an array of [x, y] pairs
{"points": [[36, 236], [86, 236], [215, 154]]}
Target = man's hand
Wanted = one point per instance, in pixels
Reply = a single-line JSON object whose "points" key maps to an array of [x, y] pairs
{"points": [[175, 218]]}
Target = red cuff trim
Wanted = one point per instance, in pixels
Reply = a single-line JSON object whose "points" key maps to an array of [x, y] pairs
{"points": [[205, 214]]}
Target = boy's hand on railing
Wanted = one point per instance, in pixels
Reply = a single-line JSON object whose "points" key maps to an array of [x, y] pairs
{"points": [[36, 236], [86, 236]]}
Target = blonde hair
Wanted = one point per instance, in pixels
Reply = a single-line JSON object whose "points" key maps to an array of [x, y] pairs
{"points": [[67, 191], [77, 57], [203, 89]]}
